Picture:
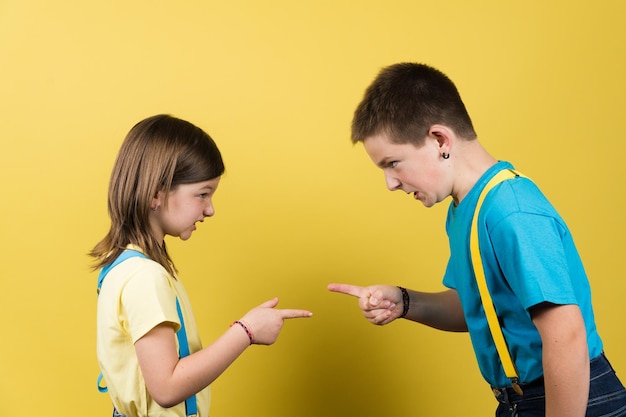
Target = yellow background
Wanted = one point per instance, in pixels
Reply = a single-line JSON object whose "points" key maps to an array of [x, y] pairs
{"points": [[275, 83]]}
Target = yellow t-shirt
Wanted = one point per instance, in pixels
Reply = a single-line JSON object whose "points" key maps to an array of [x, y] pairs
{"points": [[137, 295]]}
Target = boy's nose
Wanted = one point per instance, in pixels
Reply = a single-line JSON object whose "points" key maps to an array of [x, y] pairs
{"points": [[393, 184]]}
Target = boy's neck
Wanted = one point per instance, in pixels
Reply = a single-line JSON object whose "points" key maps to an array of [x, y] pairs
{"points": [[471, 162]]}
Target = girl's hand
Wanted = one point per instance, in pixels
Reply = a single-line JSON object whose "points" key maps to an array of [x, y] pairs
{"points": [[265, 322], [380, 304]]}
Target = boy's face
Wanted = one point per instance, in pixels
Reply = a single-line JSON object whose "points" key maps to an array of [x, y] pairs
{"points": [[415, 170]]}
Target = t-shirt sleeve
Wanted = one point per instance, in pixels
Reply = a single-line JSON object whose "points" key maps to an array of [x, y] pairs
{"points": [[529, 249], [449, 279], [147, 301]]}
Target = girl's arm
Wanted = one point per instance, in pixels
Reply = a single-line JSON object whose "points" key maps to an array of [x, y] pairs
{"points": [[171, 380], [565, 358]]}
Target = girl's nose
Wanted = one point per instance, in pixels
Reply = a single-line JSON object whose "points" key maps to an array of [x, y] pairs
{"points": [[209, 210]]}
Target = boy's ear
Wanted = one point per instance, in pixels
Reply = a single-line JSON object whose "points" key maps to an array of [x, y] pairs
{"points": [[443, 135]]}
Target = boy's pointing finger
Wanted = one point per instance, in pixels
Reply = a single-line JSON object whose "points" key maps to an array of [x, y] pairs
{"points": [[348, 289]]}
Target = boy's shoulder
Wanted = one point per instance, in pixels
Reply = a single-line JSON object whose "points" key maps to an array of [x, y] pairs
{"points": [[518, 196]]}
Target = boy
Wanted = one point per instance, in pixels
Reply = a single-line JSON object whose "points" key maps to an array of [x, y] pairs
{"points": [[414, 126]]}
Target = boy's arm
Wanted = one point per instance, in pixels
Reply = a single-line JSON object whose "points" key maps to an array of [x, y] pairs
{"points": [[440, 310], [565, 358], [382, 304]]}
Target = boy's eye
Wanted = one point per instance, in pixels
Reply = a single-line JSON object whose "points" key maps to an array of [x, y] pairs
{"points": [[393, 164]]}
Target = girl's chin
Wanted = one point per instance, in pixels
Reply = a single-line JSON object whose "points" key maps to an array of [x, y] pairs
{"points": [[184, 236]]}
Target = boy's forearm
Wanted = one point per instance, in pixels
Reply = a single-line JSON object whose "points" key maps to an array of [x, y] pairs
{"points": [[440, 310], [566, 378], [565, 359]]}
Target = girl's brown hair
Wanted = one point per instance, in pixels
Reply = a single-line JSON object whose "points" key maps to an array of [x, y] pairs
{"points": [[158, 154]]}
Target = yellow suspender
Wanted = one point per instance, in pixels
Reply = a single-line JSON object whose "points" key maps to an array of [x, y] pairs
{"points": [[479, 272]]}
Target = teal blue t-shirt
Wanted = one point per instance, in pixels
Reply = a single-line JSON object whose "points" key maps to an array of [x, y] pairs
{"points": [[529, 257]]}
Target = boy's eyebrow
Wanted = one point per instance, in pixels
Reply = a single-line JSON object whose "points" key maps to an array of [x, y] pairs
{"points": [[383, 162]]}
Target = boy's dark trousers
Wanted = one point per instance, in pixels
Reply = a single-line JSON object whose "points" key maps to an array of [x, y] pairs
{"points": [[607, 396]]}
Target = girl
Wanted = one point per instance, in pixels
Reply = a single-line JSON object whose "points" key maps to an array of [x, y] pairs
{"points": [[148, 346]]}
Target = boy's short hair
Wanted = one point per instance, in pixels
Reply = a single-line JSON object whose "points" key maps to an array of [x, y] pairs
{"points": [[405, 100]]}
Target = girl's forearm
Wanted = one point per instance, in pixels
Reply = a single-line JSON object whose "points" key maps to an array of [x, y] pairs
{"points": [[171, 380]]}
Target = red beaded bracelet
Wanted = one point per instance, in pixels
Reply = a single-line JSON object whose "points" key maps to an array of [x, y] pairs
{"points": [[248, 332]]}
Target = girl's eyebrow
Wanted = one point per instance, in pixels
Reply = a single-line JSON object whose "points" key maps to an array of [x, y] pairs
{"points": [[205, 188]]}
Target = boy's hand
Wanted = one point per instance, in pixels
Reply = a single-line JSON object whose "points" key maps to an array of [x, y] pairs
{"points": [[380, 304]]}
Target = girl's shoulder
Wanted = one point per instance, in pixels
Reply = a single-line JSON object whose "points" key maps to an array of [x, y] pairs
{"points": [[136, 272]]}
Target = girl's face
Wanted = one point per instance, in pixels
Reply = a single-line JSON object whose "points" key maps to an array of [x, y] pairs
{"points": [[187, 204], [414, 170]]}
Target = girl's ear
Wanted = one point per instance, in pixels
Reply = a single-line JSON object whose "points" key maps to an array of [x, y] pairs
{"points": [[157, 201]]}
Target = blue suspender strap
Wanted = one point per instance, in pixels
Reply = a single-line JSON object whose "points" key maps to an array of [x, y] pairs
{"points": [[183, 350], [100, 387], [183, 345], [128, 253], [101, 276]]}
